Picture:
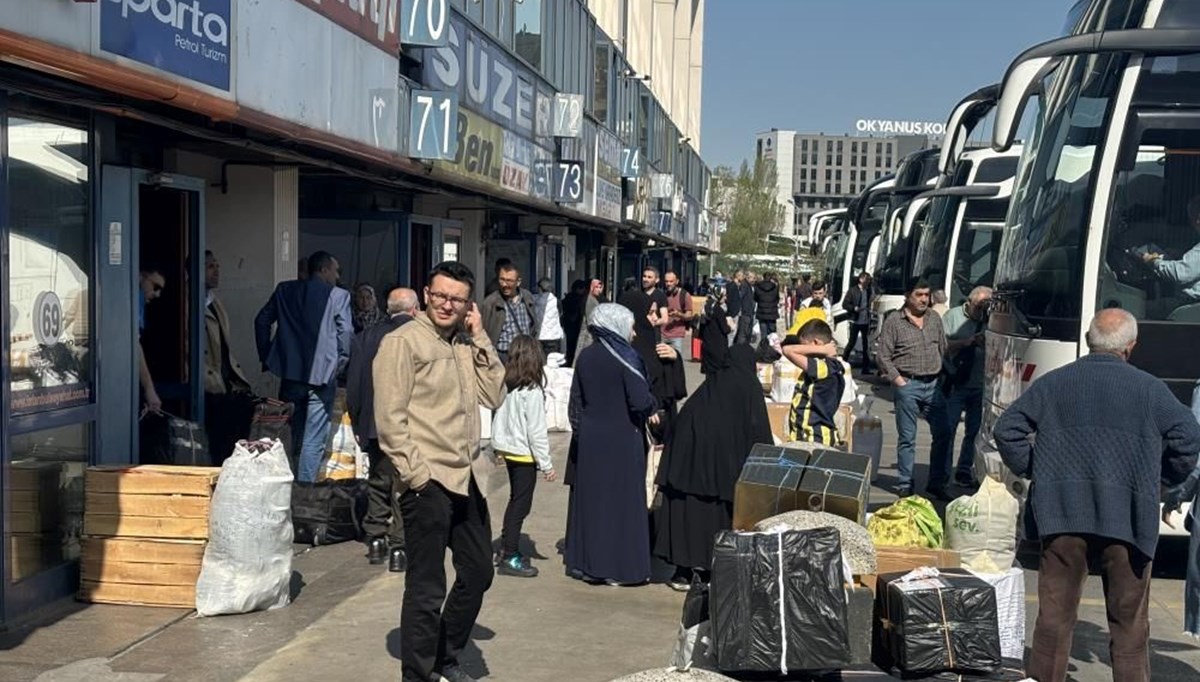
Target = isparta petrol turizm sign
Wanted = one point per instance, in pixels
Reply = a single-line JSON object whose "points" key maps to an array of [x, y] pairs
{"points": [[188, 38]]}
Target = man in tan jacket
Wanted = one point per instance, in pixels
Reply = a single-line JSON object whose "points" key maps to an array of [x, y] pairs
{"points": [[430, 377], [228, 398]]}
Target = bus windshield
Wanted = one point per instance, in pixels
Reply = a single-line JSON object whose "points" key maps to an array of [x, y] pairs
{"points": [[1041, 258], [895, 252]]}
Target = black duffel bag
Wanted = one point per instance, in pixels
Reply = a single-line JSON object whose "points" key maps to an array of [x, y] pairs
{"points": [[166, 439], [328, 512]]}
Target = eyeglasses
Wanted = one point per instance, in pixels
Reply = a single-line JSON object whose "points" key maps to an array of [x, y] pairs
{"points": [[439, 299], [509, 280]]}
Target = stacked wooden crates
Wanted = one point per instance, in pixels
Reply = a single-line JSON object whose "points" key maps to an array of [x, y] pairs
{"points": [[145, 528]]}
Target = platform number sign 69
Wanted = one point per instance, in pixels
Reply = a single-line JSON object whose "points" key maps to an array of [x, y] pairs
{"points": [[568, 115], [425, 23], [47, 318], [432, 121], [568, 182]]}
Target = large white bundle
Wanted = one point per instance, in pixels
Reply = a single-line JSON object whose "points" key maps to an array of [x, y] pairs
{"points": [[247, 564], [1010, 609]]}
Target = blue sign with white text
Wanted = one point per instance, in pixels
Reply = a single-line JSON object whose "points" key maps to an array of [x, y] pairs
{"points": [[189, 38]]}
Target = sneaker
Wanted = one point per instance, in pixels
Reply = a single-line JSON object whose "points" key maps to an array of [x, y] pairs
{"points": [[517, 566], [679, 585], [454, 673]]}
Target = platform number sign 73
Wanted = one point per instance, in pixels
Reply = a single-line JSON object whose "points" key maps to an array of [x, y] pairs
{"points": [[568, 182], [432, 125], [424, 22]]}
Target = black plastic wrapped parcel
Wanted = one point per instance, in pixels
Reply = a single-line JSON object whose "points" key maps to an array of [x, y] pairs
{"points": [[778, 601], [945, 623]]}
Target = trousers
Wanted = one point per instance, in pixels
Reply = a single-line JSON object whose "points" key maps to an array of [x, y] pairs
{"points": [[383, 517], [434, 627], [1063, 570], [312, 410], [522, 478]]}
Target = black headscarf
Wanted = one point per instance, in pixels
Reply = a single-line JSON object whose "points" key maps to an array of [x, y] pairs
{"points": [[667, 380], [719, 423]]}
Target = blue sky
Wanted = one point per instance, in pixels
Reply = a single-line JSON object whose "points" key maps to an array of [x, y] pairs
{"points": [[820, 65]]}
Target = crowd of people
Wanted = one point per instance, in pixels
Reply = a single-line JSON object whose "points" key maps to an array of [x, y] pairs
{"points": [[429, 478]]}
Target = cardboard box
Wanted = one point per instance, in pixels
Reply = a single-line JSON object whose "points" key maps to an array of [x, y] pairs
{"points": [[905, 559], [768, 485], [778, 413], [838, 483]]}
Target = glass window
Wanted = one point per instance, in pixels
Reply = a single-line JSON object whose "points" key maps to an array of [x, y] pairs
{"points": [[475, 11], [491, 16], [505, 32], [50, 265], [996, 170], [367, 249], [561, 41], [45, 523], [527, 27], [600, 83]]}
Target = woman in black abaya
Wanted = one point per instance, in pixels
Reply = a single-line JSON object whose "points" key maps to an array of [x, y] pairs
{"points": [[707, 447]]}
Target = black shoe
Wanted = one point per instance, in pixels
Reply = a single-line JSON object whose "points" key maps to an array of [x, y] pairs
{"points": [[903, 491], [517, 566], [377, 550], [455, 673], [964, 479], [939, 494], [397, 560]]}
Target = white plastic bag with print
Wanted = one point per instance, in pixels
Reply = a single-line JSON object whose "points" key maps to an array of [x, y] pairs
{"points": [[247, 563], [983, 528]]}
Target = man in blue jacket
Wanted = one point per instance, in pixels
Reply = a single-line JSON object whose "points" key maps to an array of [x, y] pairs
{"points": [[310, 347], [1097, 439]]}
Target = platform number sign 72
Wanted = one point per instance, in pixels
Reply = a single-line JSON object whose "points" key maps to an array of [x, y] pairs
{"points": [[432, 125], [568, 182], [568, 115], [425, 23]]}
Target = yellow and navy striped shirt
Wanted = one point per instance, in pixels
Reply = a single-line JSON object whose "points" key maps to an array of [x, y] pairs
{"points": [[815, 402]]}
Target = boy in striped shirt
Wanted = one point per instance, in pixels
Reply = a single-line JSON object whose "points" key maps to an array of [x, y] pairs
{"points": [[819, 388]]}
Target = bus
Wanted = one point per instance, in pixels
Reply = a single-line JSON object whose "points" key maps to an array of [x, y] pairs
{"points": [[820, 226], [958, 245], [1107, 175]]}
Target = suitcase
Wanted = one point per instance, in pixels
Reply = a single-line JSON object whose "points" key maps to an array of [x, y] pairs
{"points": [[328, 512], [166, 439], [697, 347]]}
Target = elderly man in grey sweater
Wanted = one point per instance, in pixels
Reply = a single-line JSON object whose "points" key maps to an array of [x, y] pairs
{"points": [[1097, 439]]}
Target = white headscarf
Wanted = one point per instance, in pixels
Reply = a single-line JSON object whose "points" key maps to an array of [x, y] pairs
{"points": [[615, 318]]}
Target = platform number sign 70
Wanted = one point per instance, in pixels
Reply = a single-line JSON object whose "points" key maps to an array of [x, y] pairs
{"points": [[568, 182], [425, 23], [432, 121]]}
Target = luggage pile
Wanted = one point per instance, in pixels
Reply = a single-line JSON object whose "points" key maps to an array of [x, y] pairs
{"points": [[808, 582]]}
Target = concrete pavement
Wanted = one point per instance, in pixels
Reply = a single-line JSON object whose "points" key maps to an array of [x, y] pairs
{"points": [[344, 621]]}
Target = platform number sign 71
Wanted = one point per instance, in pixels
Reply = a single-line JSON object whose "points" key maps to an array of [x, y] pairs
{"points": [[568, 182], [432, 125], [425, 23]]}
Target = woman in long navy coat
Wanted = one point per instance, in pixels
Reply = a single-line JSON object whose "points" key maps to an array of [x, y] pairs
{"points": [[608, 537]]}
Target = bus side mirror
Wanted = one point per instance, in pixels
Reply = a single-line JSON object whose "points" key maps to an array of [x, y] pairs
{"points": [[1019, 84]]}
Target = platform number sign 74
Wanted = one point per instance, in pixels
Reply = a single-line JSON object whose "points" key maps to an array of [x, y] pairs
{"points": [[432, 125], [568, 182], [424, 23], [631, 162]]}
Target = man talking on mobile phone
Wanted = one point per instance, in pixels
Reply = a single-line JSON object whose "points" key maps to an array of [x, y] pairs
{"points": [[430, 377]]}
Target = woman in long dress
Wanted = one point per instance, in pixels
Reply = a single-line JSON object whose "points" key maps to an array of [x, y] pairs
{"points": [[703, 457], [608, 538]]}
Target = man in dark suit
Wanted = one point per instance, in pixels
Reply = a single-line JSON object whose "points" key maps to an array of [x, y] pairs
{"points": [[383, 525], [311, 345]]}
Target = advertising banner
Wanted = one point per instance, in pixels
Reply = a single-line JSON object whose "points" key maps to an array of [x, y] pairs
{"points": [[480, 154], [188, 39]]}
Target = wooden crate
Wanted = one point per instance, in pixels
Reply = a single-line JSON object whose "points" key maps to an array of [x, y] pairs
{"points": [[148, 501], [898, 559], [137, 571], [28, 555]]}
